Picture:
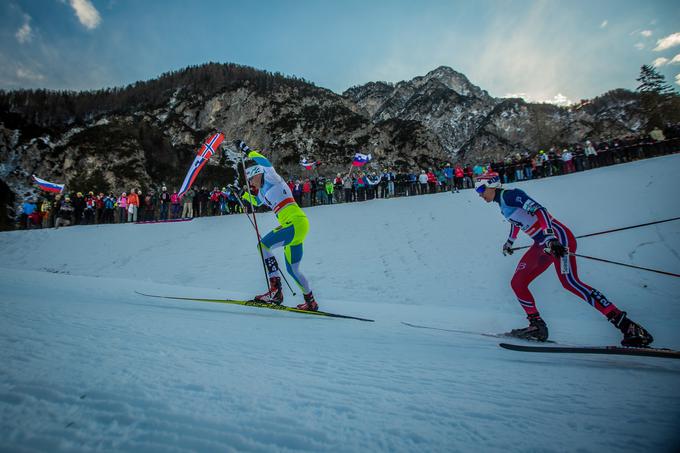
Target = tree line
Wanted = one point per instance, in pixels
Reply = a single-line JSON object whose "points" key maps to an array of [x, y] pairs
{"points": [[56, 109]]}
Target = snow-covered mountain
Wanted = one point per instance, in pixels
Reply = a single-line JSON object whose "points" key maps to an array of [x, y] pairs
{"points": [[87, 364]]}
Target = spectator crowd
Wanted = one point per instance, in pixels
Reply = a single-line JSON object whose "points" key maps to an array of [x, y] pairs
{"points": [[361, 185]]}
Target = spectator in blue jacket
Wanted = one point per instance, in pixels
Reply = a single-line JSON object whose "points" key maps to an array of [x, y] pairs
{"points": [[448, 175], [27, 209]]}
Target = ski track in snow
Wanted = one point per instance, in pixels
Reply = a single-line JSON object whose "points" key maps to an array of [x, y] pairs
{"points": [[89, 365]]}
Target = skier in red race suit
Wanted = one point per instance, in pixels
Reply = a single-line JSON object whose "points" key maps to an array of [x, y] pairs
{"points": [[554, 244]]}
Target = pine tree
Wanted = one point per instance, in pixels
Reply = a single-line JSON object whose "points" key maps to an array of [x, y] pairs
{"points": [[653, 82], [659, 102]]}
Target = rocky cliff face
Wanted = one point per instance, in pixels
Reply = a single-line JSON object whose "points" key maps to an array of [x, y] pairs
{"points": [[474, 126], [444, 101], [147, 134]]}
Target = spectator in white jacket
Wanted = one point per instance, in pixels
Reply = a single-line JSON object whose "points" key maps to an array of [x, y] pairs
{"points": [[422, 182]]}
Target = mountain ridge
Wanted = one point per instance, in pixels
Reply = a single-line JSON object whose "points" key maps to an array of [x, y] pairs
{"points": [[146, 133]]}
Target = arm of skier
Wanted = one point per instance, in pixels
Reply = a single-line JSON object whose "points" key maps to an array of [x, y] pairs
{"points": [[252, 199], [259, 159], [507, 247], [519, 199], [252, 154]]}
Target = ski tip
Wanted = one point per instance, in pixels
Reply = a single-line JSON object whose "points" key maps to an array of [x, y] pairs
{"points": [[333, 315], [507, 345]]}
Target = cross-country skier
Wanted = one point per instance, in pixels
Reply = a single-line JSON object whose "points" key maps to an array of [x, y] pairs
{"points": [[268, 188], [554, 244]]}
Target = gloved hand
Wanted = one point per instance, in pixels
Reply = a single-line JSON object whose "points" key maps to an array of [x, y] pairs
{"points": [[507, 248], [241, 146], [554, 248]]}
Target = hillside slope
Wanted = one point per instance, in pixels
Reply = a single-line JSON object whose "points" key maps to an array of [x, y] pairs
{"points": [[88, 364]]}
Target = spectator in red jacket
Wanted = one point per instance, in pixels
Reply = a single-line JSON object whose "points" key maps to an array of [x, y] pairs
{"points": [[431, 181], [133, 206], [458, 177], [99, 207], [215, 201], [306, 193], [176, 207], [468, 177]]}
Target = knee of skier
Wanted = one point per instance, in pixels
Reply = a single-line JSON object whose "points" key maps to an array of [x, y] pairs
{"points": [[289, 268], [517, 284]]}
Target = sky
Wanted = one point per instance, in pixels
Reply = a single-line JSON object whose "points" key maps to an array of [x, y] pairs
{"points": [[556, 51]]}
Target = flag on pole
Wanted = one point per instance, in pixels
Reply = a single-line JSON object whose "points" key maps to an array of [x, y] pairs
{"points": [[203, 156], [361, 159], [48, 186]]}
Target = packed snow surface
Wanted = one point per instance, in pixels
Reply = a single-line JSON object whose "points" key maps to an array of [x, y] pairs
{"points": [[87, 364]]}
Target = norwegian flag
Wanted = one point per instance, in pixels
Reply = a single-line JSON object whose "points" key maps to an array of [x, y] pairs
{"points": [[203, 156], [361, 159]]}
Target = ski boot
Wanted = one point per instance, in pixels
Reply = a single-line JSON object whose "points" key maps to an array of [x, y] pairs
{"points": [[310, 304], [275, 293], [536, 331], [634, 335]]}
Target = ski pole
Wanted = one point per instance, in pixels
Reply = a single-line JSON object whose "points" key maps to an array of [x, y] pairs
{"points": [[627, 228], [259, 240], [626, 265], [257, 231], [610, 231]]}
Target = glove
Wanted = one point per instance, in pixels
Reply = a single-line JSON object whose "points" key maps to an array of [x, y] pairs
{"points": [[240, 145], [554, 248], [507, 248]]}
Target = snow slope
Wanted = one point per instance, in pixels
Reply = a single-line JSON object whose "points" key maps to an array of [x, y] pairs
{"points": [[87, 364]]}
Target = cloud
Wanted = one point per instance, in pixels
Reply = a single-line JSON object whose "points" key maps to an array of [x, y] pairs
{"points": [[86, 12], [604, 23], [559, 99], [513, 62], [677, 79], [27, 74], [639, 46], [646, 33], [25, 34], [667, 42], [515, 95], [675, 60], [659, 62]]}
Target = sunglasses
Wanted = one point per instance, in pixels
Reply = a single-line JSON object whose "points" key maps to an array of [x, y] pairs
{"points": [[480, 189]]}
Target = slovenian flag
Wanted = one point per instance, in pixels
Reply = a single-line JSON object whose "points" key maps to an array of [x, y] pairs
{"points": [[203, 156], [361, 159], [48, 186], [309, 165]]}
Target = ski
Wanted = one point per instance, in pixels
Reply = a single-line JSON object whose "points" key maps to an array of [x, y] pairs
{"points": [[253, 303], [143, 222], [617, 350], [470, 332]]}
